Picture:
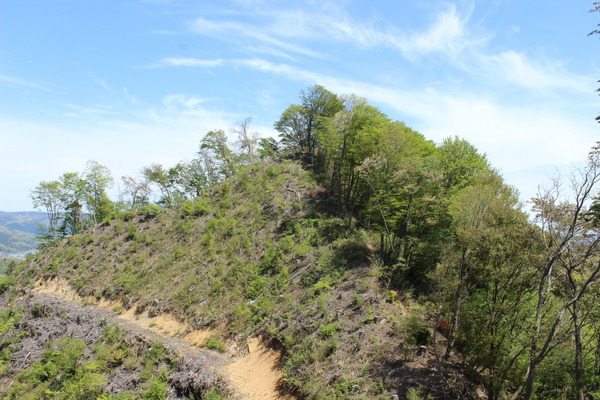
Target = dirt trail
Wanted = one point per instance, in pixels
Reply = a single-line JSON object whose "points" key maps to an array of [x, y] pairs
{"points": [[255, 376]]}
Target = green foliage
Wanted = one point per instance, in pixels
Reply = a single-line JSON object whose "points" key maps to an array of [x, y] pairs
{"points": [[157, 388], [213, 343], [196, 208], [328, 330], [6, 283], [414, 393], [214, 394], [417, 332]]}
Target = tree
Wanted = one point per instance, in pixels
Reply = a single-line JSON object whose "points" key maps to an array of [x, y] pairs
{"points": [[97, 180], [47, 196], [64, 202], [189, 179], [570, 243], [219, 160], [460, 163], [73, 195], [267, 147], [157, 175], [247, 141], [137, 190], [299, 124], [347, 138], [401, 189], [484, 278]]}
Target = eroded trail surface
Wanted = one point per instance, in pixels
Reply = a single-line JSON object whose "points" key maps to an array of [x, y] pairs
{"points": [[253, 376]]}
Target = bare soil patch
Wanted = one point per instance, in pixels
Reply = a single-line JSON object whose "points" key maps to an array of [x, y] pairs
{"points": [[258, 374]]}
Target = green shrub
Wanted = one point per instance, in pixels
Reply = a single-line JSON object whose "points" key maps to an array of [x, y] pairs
{"points": [[214, 394], [414, 393], [418, 332], [213, 343], [150, 210], [131, 232], [256, 287], [328, 330], [6, 283], [196, 208], [157, 388]]}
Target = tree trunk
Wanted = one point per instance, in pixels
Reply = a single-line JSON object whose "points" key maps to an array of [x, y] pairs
{"points": [[578, 351], [531, 372], [457, 303]]}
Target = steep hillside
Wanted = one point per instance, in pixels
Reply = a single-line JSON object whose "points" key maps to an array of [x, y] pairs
{"points": [[265, 255]]}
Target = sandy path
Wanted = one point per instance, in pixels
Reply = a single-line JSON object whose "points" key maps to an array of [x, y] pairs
{"points": [[254, 376]]}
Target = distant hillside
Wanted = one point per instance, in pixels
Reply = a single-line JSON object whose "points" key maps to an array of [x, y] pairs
{"points": [[18, 231]]}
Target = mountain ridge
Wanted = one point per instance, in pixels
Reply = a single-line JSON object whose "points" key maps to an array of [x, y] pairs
{"points": [[264, 255]]}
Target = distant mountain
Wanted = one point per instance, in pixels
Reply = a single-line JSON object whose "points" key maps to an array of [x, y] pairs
{"points": [[18, 231]]}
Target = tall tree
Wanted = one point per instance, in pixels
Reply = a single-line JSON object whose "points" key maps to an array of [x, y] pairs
{"points": [[347, 138], [157, 175], [219, 160], [247, 141], [97, 180], [73, 188], [299, 124], [460, 163], [137, 190], [47, 196], [570, 243]]}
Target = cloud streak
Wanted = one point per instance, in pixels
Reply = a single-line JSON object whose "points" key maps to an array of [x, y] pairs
{"points": [[188, 62], [11, 80]]}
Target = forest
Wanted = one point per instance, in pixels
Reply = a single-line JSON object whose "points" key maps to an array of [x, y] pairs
{"points": [[511, 290]]}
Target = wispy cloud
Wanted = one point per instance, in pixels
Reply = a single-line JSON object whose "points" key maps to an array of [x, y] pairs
{"points": [[448, 34], [11, 80], [284, 29], [93, 110], [186, 103], [188, 62], [520, 69], [236, 31]]}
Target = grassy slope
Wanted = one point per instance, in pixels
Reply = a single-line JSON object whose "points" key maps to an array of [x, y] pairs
{"points": [[261, 255]]}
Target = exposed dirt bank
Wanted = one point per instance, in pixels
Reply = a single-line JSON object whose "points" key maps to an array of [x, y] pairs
{"points": [[253, 376]]}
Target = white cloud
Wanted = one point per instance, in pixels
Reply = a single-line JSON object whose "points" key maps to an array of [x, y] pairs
{"points": [[448, 35], [236, 31], [520, 69], [187, 104], [22, 82], [188, 62], [93, 110]]}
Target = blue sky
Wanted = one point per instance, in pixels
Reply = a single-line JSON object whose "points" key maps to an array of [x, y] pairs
{"points": [[133, 82]]}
